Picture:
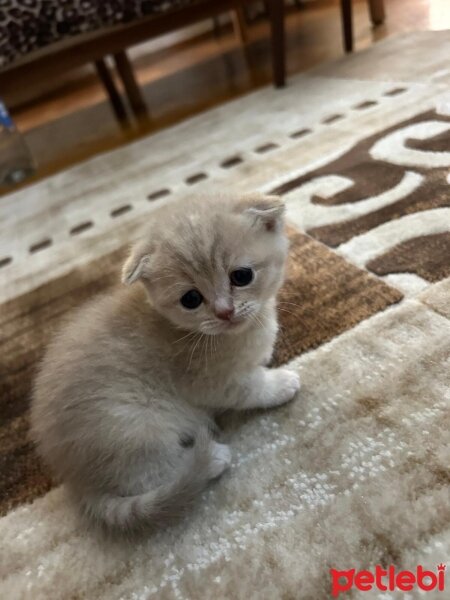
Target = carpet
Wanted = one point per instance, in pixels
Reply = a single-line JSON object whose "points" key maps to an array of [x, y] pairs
{"points": [[354, 473]]}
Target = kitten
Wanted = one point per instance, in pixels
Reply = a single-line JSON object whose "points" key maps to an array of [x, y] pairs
{"points": [[124, 401]]}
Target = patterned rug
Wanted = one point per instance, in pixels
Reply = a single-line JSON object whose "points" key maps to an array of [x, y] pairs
{"points": [[353, 474]]}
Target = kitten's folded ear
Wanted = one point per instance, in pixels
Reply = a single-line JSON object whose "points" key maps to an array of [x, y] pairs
{"points": [[137, 266], [267, 210]]}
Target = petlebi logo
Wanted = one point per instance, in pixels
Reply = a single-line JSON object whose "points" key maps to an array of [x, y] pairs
{"points": [[388, 580]]}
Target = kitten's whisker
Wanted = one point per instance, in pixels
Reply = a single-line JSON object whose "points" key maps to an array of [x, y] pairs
{"points": [[210, 345], [185, 336], [194, 346], [254, 317], [205, 348], [162, 277], [262, 325], [286, 311], [291, 303]]}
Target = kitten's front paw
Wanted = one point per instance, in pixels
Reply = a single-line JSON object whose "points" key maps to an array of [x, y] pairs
{"points": [[287, 384]]}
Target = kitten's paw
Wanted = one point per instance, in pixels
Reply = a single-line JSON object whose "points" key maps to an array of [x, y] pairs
{"points": [[287, 384], [220, 459]]}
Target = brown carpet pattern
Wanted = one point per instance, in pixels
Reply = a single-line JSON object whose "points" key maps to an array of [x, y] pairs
{"points": [[427, 256], [372, 177]]}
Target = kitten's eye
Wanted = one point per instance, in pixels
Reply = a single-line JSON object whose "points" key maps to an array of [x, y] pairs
{"points": [[191, 299], [241, 277]]}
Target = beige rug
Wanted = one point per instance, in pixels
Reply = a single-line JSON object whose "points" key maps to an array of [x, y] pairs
{"points": [[353, 474]]}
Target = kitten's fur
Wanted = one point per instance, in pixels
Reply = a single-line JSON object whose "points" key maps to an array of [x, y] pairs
{"points": [[124, 400]]}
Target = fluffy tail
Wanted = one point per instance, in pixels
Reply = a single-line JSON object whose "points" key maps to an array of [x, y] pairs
{"points": [[165, 503]]}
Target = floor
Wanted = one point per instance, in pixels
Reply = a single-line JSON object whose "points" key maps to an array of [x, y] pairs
{"points": [[71, 120]]}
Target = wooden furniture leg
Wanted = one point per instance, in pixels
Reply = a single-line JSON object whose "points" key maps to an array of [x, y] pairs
{"points": [[240, 24], [275, 10], [217, 29], [130, 85], [112, 92], [376, 10], [347, 24]]}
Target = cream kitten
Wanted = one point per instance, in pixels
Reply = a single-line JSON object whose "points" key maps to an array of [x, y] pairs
{"points": [[125, 397]]}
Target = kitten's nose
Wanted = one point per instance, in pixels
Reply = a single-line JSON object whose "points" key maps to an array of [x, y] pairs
{"points": [[224, 313]]}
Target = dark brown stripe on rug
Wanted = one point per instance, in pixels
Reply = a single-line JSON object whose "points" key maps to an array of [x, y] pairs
{"points": [[323, 296], [427, 256], [433, 193], [373, 177]]}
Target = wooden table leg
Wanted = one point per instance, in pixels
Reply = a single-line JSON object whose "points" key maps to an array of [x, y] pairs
{"points": [[240, 24], [275, 10], [376, 10], [113, 94], [131, 86], [347, 24]]}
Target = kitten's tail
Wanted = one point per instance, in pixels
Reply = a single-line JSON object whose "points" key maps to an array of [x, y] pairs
{"points": [[165, 503]]}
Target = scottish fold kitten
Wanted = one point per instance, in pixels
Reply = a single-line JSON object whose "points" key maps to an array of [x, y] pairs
{"points": [[124, 401]]}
